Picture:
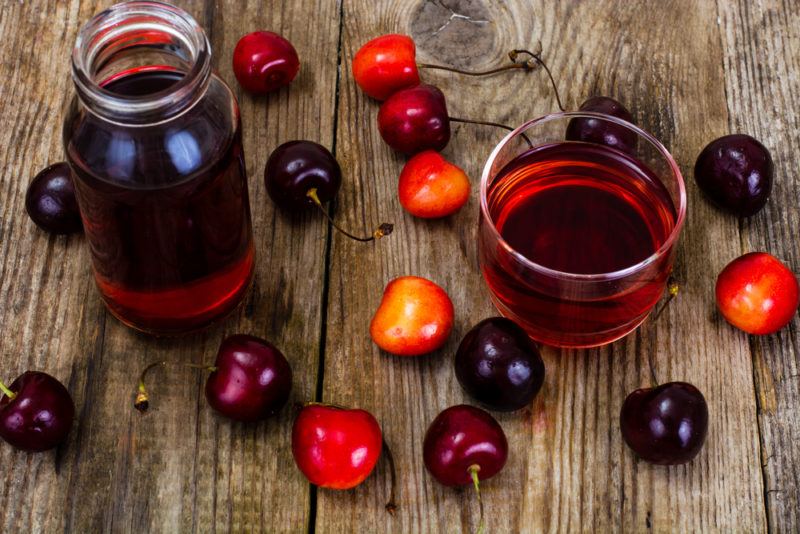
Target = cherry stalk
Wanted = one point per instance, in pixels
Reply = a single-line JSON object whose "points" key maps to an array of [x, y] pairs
{"points": [[527, 65]]}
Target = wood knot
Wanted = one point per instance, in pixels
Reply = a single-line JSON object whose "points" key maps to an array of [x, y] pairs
{"points": [[459, 33]]}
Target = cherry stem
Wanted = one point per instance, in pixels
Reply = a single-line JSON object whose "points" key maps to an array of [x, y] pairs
{"points": [[391, 506], [8, 393], [489, 123], [142, 402], [535, 58], [473, 471], [672, 289], [383, 230]]}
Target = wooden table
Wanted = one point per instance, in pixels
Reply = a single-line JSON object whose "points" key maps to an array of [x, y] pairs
{"points": [[690, 72]]}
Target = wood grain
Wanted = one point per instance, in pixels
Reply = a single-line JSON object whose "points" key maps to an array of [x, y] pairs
{"points": [[689, 70], [180, 467], [761, 64], [569, 469]]}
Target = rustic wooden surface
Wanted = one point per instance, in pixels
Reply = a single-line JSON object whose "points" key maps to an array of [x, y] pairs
{"points": [[690, 71]]}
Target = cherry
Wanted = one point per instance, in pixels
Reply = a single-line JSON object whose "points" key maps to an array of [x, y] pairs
{"points": [[299, 174], [386, 64], [50, 201], [463, 445], [415, 119], [498, 365], [667, 424], [430, 186], [334, 447], [36, 412], [757, 293], [264, 61], [603, 132], [735, 172], [415, 317], [250, 380]]}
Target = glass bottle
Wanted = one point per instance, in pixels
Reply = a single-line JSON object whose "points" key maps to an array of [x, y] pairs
{"points": [[153, 138]]}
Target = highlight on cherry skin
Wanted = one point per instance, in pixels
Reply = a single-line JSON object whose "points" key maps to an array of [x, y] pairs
{"points": [[302, 174], [250, 380], [415, 317], [36, 412], [50, 200], [666, 424], [735, 172], [757, 293], [264, 61], [465, 445], [432, 187], [498, 365]]}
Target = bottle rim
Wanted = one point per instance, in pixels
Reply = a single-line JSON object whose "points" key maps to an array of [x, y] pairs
{"points": [[140, 23]]}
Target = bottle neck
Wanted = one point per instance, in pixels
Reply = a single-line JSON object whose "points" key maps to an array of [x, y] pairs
{"points": [[135, 36]]}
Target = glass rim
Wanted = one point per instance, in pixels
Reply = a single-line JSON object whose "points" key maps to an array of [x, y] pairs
{"points": [[594, 277]]}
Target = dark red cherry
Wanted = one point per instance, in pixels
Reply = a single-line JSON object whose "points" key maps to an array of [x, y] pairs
{"points": [[251, 380], [295, 168], [498, 365], [50, 201], [264, 61], [415, 119], [667, 424], [600, 131], [36, 412], [463, 439], [735, 172]]}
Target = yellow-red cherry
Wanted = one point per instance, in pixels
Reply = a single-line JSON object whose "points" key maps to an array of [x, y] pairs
{"points": [[757, 293], [415, 317], [431, 187], [386, 64]]}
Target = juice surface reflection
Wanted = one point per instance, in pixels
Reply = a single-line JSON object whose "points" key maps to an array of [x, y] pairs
{"points": [[165, 208], [584, 209]]}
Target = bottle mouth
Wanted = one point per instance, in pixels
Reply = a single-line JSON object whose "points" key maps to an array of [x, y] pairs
{"points": [[134, 35]]}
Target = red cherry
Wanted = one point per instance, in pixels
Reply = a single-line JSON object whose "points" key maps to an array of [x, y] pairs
{"points": [[463, 445], [36, 412], [415, 119], [386, 64], [757, 293], [335, 447], [430, 186], [415, 317], [462, 437], [264, 61], [251, 381]]}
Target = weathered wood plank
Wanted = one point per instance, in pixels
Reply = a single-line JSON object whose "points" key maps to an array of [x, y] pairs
{"points": [[180, 468], [762, 59], [569, 469]]}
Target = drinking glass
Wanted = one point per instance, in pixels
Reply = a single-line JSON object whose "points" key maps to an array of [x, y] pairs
{"points": [[579, 309]]}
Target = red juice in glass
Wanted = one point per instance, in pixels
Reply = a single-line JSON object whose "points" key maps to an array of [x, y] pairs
{"points": [[576, 239]]}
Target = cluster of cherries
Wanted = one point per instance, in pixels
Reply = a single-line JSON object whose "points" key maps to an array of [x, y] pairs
{"points": [[496, 362]]}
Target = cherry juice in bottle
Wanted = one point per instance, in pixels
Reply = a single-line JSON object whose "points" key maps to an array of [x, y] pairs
{"points": [[154, 143]]}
